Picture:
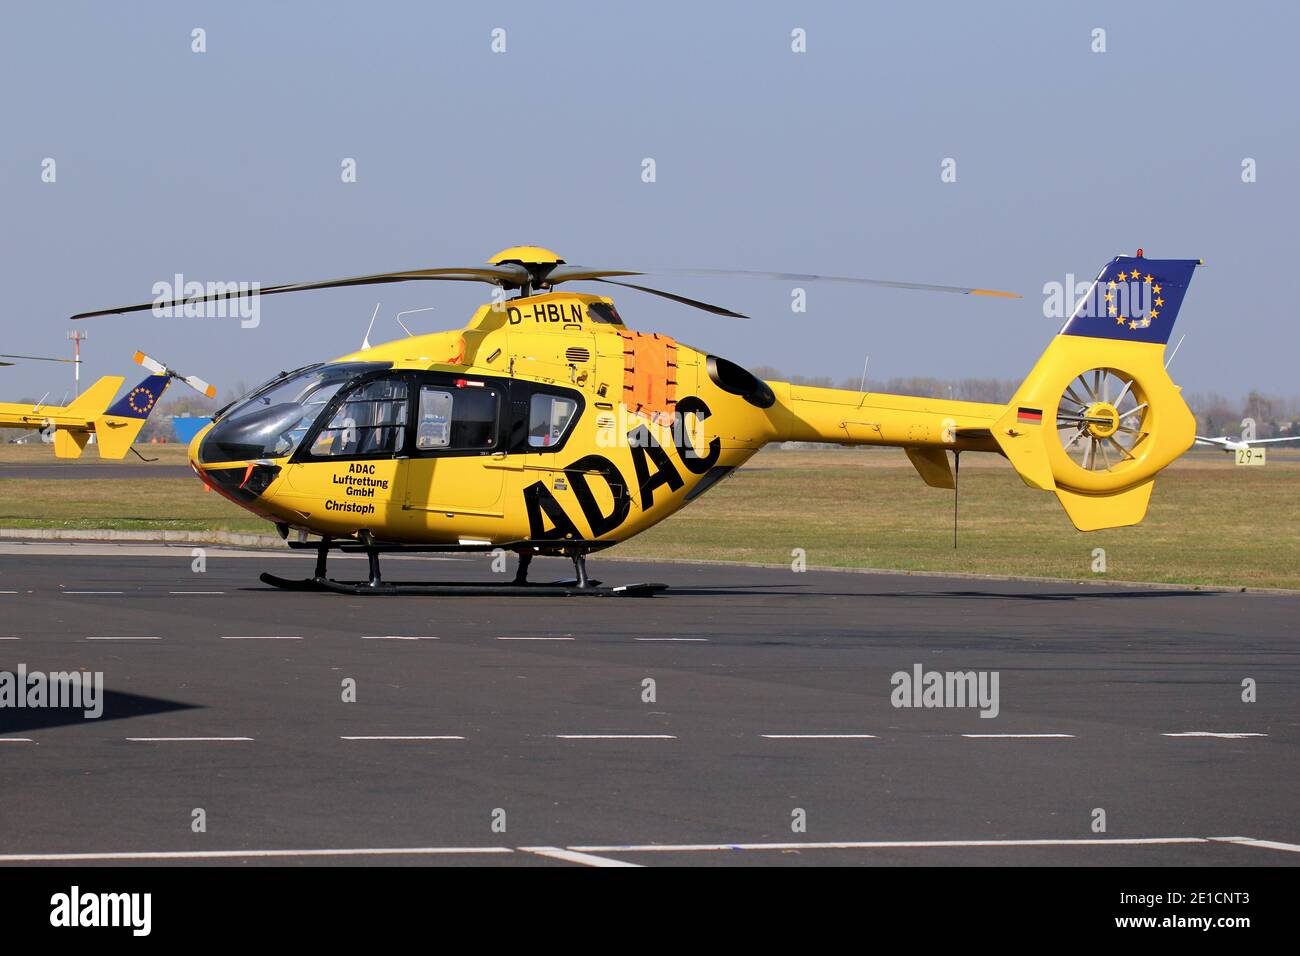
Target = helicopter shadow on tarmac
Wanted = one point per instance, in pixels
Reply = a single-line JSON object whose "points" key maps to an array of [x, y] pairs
{"points": [[797, 591], [801, 591], [117, 705]]}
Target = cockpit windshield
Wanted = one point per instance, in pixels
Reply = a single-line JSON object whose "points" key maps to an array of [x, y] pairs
{"points": [[272, 421]]}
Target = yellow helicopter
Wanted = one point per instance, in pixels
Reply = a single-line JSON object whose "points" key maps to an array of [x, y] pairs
{"points": [[114, 425], [547, 427]]}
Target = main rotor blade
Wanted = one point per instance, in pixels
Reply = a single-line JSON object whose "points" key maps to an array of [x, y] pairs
{"points": [[566, 273], [513, 275], [39, 358], [695, 303], [506, 274]]}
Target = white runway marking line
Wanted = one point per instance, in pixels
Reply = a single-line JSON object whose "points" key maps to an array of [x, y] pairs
{"points": [[883, 845], [259, 637], [673, 640], [613, 736], [16, 740], [1018, 736], [818, 736], [196, 592], [397, 637], [189, 740], [536, 638], [235, 854], [94, 592], [1265, 844], [123, 637], [590, 854], [10, 638], [411, 737], [573, 856], [1207, 733]]}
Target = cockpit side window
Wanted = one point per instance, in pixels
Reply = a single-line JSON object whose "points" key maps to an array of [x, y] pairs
{"points": [[604, 313], [275, 419], [548, 419], [370, 422]]}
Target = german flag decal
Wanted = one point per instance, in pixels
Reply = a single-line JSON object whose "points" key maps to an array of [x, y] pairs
{"points": [[1029, 416]]}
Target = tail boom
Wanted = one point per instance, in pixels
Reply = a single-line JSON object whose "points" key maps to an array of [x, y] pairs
{"points": [[1117, 333], [812, 414]]}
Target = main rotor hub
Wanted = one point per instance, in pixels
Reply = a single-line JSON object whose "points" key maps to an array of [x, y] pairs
{"points": [[538, 261], [526, 256], [1105, 419]]}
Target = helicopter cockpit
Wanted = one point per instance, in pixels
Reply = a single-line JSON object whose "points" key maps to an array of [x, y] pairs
{"points": [[353, 410], [273, 420]]}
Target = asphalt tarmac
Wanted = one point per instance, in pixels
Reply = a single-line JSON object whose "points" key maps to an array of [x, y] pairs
{"points": [[744, 717]]}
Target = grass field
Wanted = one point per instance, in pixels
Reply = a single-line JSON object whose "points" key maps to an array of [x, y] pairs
{"points": [[1210, 521]]}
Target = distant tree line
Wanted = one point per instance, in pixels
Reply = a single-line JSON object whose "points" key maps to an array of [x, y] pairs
{"points": [[1275, 416]]}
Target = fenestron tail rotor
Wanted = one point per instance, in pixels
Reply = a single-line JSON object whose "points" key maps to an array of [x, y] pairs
{"points": [[532, 269], [1102, 419], [158, 368]]}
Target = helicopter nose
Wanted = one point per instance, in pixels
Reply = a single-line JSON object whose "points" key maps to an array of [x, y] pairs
{"points": [[242, 482], [192, 452]]}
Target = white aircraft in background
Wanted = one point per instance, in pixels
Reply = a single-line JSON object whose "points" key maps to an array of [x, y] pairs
{"points": [[1230, 445]]}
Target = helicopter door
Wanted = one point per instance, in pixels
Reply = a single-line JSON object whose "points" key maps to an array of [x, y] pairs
{"points": [[546, 419], [349, 472], [454, 485]]}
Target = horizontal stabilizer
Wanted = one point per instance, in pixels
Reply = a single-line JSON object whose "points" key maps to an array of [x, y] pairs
{"points": [[932, 465], [70, 442]]}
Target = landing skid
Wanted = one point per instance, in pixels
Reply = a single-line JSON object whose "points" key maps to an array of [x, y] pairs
{"points": [[449, 589], [520, 586]]}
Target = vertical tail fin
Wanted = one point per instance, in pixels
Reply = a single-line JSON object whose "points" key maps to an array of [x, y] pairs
{"points": [[1098, 416], [94, 400], [70, 439], [117, 428], [1134, 299]]}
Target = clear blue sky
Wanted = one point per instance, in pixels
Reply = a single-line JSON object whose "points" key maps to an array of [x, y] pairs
{"points": [[226, 166]]}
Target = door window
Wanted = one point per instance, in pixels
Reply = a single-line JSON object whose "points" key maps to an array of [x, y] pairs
{"points": [[370, 422], [457, 418]]}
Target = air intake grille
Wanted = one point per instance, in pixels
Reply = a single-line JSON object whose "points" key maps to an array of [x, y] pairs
{"points": [[576, 354]]}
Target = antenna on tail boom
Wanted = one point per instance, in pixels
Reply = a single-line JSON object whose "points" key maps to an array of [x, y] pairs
{"points": [[956, 483]]}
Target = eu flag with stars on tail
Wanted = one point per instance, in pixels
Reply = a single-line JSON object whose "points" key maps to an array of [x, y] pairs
{"points": [[139, 402], [1133, 298]]}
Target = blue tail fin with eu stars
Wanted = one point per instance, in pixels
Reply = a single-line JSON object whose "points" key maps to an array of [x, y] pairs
{"points": [[1134, 299], [118, 427]]}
